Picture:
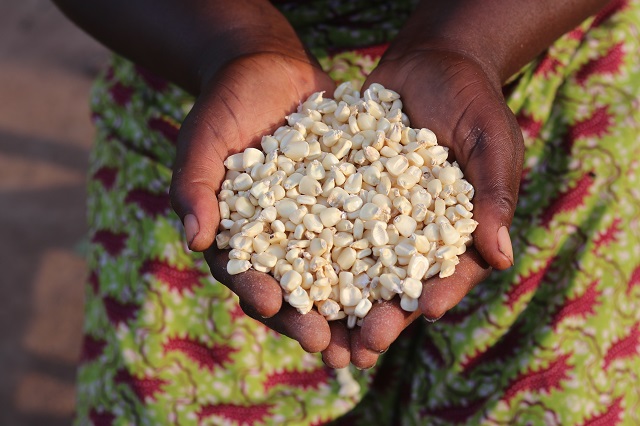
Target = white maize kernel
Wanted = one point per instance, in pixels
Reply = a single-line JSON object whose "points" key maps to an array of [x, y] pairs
{"points": [[408, 303], [447, 268], [290, 280], [345, 196], [350, 296], [234, 162], [406, 225], [362, 308], [391, 282], [236, 266], [417, 268], [397, 165], [448, 233]]}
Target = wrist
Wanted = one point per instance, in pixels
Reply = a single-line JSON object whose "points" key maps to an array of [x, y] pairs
{"points": [[246, 42], [417, 48], [500, 36]]}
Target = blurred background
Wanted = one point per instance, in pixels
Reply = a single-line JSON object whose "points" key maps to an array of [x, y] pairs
{"points": [[46, 69]]}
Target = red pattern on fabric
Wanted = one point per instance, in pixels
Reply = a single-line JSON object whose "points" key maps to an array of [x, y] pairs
{"points": [[634, 280], [243, 414], [547, 66], [526, 285], [529, 125], [581, 306], [457, 414], [611, 417], [611, 8], [94, 281], [110, 74], [596, 125], [236, 313], [459, 314], [626, 347], [320, 422], [92, 348], [608, 236], [204, 356], [568, 200], [544, 380], [373, 51], [101, 419], [576, 34], [610, 63], [145, 387], [165, 128], [111, 241], [106, 176], [433, 352], [121, 94], [300, 379], [119, 312], [503, 350], [525, 181], [152, 204], [176, 279], [156, 83]]}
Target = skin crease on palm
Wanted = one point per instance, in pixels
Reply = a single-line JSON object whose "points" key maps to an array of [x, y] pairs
{"points": [[248, 70]]}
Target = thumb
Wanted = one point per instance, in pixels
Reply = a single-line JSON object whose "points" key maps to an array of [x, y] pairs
{"points": [[197, 175], [491, 156]]}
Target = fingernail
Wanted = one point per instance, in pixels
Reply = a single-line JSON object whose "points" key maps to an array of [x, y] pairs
{"points": [[504, 243], [365, 368], [191, 228]]}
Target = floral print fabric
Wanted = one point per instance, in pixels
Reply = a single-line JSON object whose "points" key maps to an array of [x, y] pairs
{"points": [[553, 340]]}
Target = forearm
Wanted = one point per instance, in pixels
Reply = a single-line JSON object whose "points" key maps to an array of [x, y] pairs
{"points": [[184, 41], [501, 35]]}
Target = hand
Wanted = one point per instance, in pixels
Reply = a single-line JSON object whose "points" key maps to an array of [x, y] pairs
{"points": [[244, 100], [453, 95]]}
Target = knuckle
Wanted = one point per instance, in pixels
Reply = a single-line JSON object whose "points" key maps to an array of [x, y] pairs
{"points": [[503, 197]]}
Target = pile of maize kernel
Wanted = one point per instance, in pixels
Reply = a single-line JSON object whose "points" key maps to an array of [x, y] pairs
{"points": [[346, 205]]}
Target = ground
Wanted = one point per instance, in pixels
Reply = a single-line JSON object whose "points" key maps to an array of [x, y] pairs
{"points": [[46, 69]]}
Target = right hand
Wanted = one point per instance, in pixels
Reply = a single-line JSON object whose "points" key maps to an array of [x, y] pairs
{"points": [[246, 99], [453, 95]]}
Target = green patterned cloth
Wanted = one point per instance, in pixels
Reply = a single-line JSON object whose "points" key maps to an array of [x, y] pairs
{"points": [[553, 340]]}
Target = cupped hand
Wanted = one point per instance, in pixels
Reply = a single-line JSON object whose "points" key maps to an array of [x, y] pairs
{"points": [[453, 95], [244, 100]]}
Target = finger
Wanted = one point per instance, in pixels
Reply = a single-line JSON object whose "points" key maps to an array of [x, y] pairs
{"points": [[384, 323], [490, 150], [310, 330], [361, 356], [256, 289], [261, 298], [338, 353], [197, 175], [441, 294]]}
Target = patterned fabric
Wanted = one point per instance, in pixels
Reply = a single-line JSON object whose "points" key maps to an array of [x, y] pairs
{"points": [[553, 340], [330, 26]]}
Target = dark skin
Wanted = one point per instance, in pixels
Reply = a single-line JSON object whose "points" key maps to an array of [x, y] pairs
{"points": [[247, 68]]}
